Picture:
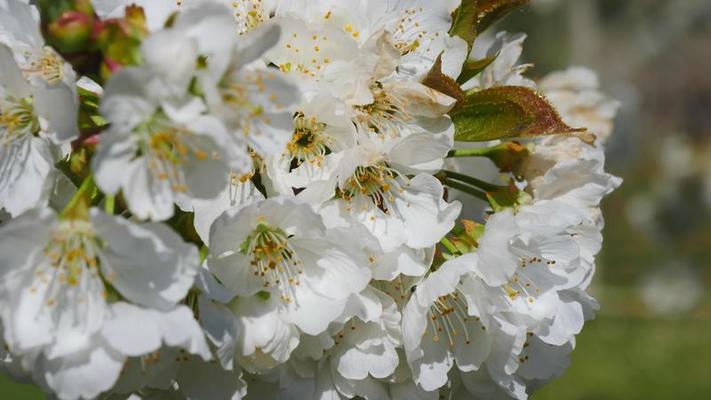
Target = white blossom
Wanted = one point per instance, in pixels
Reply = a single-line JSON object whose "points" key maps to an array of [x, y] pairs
{"points": [[58, 311]]}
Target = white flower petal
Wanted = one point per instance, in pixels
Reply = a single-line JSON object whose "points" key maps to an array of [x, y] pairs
{"points": [[149, 264]]}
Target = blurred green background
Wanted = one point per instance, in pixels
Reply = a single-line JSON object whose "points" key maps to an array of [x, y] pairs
{"points": [[652, 336]]}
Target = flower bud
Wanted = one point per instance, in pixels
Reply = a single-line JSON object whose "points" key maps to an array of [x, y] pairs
{"points": [[71, 32]]}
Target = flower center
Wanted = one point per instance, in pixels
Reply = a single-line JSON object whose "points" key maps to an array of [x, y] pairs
{"points": [[522, 283], [72, 253], [409, 34], [376, 182], [273, 259], [384, 115], [17, 119], [167, 149], [309, 143], [448, 317], [246, 94], [48, 65], [249, 14]]}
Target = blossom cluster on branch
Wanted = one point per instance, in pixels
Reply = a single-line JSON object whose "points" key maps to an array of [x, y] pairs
{"points": [[253, 199]]}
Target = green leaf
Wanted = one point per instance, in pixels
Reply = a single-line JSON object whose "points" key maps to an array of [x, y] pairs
{"points": [[474, 16], [440, 82], [473, 68], [508, 112], [464, 22], [491, 11]]}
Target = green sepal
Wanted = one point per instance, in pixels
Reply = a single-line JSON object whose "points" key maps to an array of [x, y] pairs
{"points": [[507, 197], [472, 68]]}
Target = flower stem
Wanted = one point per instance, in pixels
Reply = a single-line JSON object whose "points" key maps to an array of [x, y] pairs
{"points": [[470, 152], [467, 189], [449, 245], [109, 204], [81, 199], [204, 251], [486, 186]]}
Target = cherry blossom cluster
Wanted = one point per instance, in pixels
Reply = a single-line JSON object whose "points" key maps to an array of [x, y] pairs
{"points": [[255, 199]]}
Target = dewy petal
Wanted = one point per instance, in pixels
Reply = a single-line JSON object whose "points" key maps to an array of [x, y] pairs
{"points": [[135, 331], [149, 264]]}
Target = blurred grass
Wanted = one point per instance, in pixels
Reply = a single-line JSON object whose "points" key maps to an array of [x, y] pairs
{"points": [[16, 391], [633, 358]]}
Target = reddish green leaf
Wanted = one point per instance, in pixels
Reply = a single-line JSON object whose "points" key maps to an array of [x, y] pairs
{"points": [[508, 112], [464, 21], [473, 68], [491, 11], [440, 82], [474, 16]]}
